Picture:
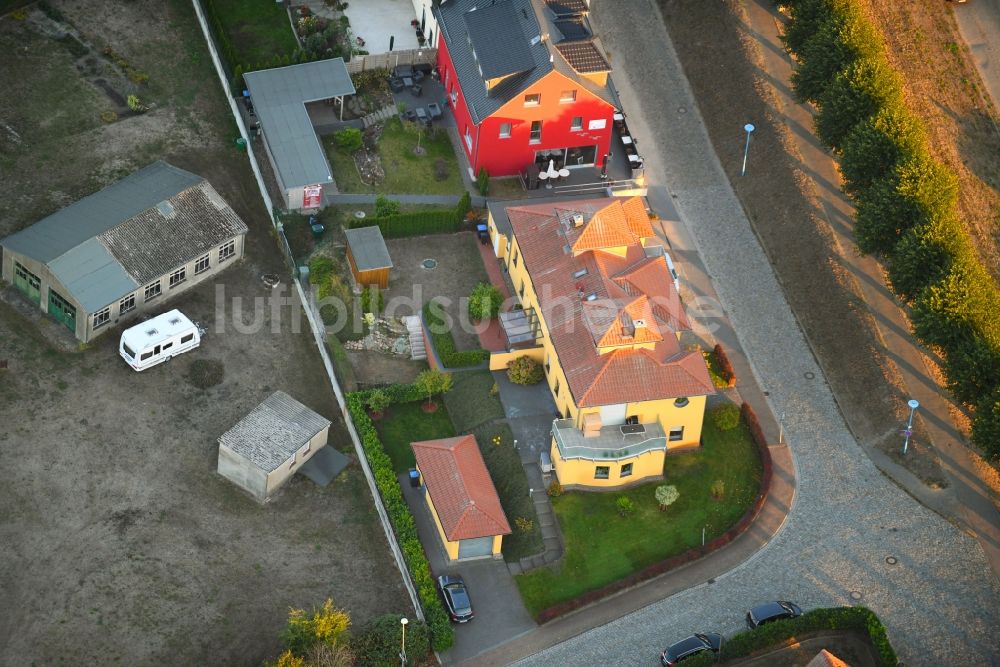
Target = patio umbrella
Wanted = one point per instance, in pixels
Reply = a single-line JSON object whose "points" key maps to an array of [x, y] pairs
{"points": [[552, 169]]}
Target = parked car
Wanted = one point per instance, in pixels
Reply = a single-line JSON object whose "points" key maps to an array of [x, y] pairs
{"points": [[771, 611], [456, 598], [685, 648]]}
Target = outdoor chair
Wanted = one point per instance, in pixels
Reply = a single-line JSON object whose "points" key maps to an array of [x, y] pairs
{"points": [[416, 89], [396, 84], [418, 76]]}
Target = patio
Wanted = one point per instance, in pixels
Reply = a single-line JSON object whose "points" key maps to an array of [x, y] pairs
{"points": [[381, 22]]}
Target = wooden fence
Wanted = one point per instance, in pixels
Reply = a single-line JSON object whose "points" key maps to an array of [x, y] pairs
{"points": [[391, 59]]}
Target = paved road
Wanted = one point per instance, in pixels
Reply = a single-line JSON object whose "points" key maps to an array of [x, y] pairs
{"points": [[979, 23], [940, 601]]}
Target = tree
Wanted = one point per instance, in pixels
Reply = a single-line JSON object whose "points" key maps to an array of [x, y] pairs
{"points": [[864, 88], [483, 182], [484, 302], [805, 19], [326, 624], [348, 139], [378, 401], [923, 256], [986, 425], [666, 495], [876, 145], [432, 382], [385, 207]]}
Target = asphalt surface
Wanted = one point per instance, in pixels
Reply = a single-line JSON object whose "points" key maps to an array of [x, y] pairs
{"points": [[939, 600]]}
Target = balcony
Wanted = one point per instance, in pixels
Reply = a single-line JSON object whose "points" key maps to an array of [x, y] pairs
{"points": [[610, 443]]}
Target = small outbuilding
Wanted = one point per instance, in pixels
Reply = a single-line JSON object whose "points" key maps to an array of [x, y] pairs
{"points": [[461, 497], [270, 444], [369, 257]]}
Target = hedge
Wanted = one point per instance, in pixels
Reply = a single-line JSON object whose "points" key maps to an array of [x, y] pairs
{"points": [[876, 145], [856, 619], [444, 343], [724, 365], [674, 562], [440, 221], [442, 634], [858, 92]]}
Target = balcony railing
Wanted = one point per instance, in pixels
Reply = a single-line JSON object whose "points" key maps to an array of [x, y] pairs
{"points": [[609, 444]]}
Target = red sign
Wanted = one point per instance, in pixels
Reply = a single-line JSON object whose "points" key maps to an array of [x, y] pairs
{"points": [[312, 195]]}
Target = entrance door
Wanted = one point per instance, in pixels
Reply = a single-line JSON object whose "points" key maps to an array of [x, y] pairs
{"points": [[481, 546], [28, 283], [62, 310]]}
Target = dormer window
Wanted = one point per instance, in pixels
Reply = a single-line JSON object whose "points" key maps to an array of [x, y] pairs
{"points": [[580, 274], [592, 296]]}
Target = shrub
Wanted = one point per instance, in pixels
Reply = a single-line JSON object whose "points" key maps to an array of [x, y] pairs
{"points": [[524, 525], [666, 495], [724, 365], [372, 300], [326, 625], [378, 400], [718, 489], [348, 139], [484, 302], [205, 373], [624, 506], [806, 17], [923, 256], [857, 93], [555, 489], [136, 105], [385, 207], [321, 268], [725, 417], [379, 641], [876, 145], [483, 182], [524, 370]]}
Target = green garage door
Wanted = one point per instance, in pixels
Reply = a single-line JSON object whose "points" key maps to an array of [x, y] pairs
{"points": [[27, 282], [62, 310]]}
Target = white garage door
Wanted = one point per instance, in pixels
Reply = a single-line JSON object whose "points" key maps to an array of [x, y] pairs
{"points": [[612, 415], [481, 546]]}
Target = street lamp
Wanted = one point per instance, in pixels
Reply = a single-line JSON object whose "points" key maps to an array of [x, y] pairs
{"points": [[748, 128], [402, 652], [909, 425]]}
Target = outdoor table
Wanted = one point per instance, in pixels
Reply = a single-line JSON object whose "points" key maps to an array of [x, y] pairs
{"points": [[421, 113], [544, 177], [407, 81], [633, 158], [627, 140], [619, 116], [434, 109], [564, 172]]}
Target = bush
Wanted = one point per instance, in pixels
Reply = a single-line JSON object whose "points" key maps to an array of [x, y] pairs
{"points": [[555, 489], [483, 182], [372, 300], [326, 625], [624, 506], [524, 525], [724, 365], [806, 17], [385, 207], [525, 370], [348, 139], [484, 302], [923, 256], [876, 145], [321, 268], [378, 643], [666, 495], [725, 417], [378, 400], [206, 373], [860, 91]]}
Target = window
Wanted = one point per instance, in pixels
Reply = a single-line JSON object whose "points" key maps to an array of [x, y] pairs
{"points": [[227, 250], [536, 132], [187, 339], [567, 96], [520, 291], [681, 402], [532, 100], [129, 351], [177, 277], [676, 433], [514, 260], [602, 472], [454, 96], [167, 346], [152, 291], [548, 362], [504, 130], [577, 124], [202, 264], [102, 317], [626, 470], [145, 355], [555, 390], [468, 137], [581, 273], [126, 304]]}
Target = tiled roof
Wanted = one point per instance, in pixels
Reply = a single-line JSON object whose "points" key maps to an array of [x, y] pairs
{"points": [[273, 431], [567, 7], [592, 296], [584, 57], [460, 487], [498, 40]]}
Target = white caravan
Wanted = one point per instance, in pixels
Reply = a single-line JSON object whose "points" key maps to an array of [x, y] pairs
{"points": [[158, 339]]}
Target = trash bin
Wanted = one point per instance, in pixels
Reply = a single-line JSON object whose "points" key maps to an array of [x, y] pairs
{"points": [[414, 478], [241, 143]]}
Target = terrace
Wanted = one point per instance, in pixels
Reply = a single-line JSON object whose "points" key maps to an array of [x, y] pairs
{"points": [[609, 443]]}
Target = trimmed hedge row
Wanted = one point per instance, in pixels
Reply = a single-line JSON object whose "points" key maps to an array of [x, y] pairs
{"points": [[444, 342], [725, 366], [442, 634], [672, 563], [440, 221], [905, 199], [858, 619]]}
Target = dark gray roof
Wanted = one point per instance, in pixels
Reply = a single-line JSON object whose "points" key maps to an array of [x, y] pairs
{"points": [[171, 216], [273, 431], [498, 39], [368, 248], [279, 96], [567, 7], [533, 22]]}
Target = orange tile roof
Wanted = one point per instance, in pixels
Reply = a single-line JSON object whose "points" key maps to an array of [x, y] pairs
{"points": [[584, 312], [460, 488]]}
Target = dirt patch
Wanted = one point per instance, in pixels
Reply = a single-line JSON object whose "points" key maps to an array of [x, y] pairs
{"points": [[377, 368]]}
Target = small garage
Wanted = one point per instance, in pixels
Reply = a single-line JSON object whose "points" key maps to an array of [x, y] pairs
{"points": [[461, 497], [368, 256]]}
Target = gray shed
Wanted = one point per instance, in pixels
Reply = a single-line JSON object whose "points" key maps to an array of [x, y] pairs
{"points": [[279, 97], [369, 256], [261, 452]]}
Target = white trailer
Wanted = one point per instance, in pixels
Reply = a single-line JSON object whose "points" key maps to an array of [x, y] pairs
{"points": [[158, 339]]}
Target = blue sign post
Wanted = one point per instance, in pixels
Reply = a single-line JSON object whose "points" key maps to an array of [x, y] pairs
{"points": [[909, 424], [749, 128]]}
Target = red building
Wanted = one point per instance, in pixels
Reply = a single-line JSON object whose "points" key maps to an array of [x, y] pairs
{"points": [[527, 83]]}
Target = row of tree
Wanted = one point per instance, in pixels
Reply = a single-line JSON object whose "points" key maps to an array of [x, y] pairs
{"points": [[905, 199]]}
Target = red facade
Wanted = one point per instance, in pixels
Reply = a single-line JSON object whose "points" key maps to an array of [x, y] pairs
{"points": [[581, 125]]}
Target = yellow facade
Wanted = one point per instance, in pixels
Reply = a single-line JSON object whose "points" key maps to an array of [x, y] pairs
{"points": [[585, 473], [451, 548]]}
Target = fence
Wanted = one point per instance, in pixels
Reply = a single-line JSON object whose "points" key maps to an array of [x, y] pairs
{"points": [[390, 60]]}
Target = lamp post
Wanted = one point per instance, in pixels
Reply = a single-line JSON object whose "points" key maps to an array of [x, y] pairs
{"points": [[402, 652], [909, 424], [749, 128]]}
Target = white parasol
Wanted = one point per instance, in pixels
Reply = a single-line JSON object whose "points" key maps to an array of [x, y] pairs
{"points": [[552, 169]]}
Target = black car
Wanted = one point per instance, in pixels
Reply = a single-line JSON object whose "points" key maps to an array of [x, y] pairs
{"points": [[685, 648], [771, 611], [456, 598]]}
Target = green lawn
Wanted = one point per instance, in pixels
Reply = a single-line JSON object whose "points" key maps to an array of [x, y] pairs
{"points": [[257, 30], [602, 547], [469, 401], [404, 423], [405, 173]]}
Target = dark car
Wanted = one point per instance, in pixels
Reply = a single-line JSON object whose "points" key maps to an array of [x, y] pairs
{"points": [[771, 611], [456, 598], [685, 648]]}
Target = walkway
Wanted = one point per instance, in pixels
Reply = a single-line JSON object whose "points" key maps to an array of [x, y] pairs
{"points": [[847, 518]]}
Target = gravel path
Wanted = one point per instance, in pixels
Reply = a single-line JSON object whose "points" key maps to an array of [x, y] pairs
{"points": [[940, 601]]}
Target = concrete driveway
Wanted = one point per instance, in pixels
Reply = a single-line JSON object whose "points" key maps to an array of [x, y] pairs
{"points": [[530, 411], [500, 614]]}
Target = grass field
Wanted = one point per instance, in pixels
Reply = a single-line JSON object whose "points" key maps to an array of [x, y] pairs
{"points": [[404, 423], [623, 545], [258, 31]]}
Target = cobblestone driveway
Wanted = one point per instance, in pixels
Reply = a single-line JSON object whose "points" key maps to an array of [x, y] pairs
{"points": [[940, 602]]}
